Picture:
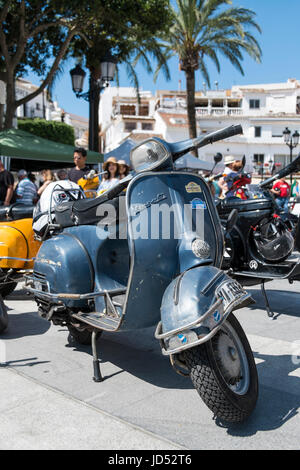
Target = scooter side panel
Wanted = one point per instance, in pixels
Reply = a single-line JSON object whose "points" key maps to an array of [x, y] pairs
{"points": [[17, 241], [64, 263], [13, 244]]}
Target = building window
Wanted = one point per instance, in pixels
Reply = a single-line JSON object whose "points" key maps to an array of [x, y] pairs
{"points": [[38, 106], [130, 126], [254, 104], [147, 126], [144, 110], [127, 110], [257, 131]]}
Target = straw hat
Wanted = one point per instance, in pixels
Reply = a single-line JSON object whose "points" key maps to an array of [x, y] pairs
{"points": [[229, 159], [122, 162], [108, 161]]}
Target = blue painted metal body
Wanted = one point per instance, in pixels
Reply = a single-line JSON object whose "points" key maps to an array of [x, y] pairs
{"points": [[83, 259]]}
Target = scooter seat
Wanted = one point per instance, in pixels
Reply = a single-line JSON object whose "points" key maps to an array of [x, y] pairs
{"points": [[86, 212], [15, 212], [228, 204]]}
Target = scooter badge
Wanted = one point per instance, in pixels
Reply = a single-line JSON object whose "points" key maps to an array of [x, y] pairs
{"points": [[193, 187]]}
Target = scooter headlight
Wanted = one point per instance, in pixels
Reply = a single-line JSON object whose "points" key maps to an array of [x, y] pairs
{"points": [[149, 155]]}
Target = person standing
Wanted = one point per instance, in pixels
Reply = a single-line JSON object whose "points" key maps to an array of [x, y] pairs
{"points": [[6, 186], [123, 169], [80, 168], [232, 166], [26, 192], [111, 177], [48, 178], [282, 191]]}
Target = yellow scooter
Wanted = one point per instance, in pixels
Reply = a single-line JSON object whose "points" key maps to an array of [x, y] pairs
{"points": [[17, 245]]}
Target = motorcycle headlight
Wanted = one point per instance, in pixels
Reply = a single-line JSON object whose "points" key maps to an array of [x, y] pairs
{"points": [[149, 155]]}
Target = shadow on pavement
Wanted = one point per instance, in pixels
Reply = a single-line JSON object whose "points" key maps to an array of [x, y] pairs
{"points": [[274, 406], [146, 365], [281, 302], [24, 324], [20, 294]]}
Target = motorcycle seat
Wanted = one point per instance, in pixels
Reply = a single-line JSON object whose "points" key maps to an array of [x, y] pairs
{"points": [[16, 211], [228, 204]]}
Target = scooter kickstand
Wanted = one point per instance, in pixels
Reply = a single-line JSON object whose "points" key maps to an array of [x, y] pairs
{"points": [[268, 308], [96, 363]]}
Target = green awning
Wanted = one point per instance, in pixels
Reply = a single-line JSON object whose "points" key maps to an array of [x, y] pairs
{"points": [[19, 144]]}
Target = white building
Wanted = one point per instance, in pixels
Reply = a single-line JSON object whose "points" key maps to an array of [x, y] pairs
{"points": [[264, 111], [122, 115]]}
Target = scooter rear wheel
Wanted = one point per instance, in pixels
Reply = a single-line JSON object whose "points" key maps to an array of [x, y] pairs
{"points": [[81, 335], [224, 373]]}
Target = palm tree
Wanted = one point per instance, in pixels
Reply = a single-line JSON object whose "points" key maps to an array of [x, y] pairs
{"points": [[204, 29]]}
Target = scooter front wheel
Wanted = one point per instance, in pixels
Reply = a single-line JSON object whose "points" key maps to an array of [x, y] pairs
{"points": [[224, 373]]}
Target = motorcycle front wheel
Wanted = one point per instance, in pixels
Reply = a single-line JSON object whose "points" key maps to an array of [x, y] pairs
{"points": [[223, 372]]}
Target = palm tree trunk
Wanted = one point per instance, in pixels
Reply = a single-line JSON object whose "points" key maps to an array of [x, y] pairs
{"points": [[190, 89]]}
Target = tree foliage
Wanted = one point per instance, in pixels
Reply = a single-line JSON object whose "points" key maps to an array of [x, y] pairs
{"points": [[34, 32], [205, 30], [50, 130]]}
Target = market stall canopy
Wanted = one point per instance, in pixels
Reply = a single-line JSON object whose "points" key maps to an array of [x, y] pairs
{"points": [[122, 152], [31, 152]]}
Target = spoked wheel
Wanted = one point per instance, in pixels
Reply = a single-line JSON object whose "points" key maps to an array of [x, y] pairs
{"points": [[80, 335], [3, 316], [224, 373]]}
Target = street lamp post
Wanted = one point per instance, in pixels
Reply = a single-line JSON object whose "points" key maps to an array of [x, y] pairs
{"points": [[291, 141], [108, 67]]}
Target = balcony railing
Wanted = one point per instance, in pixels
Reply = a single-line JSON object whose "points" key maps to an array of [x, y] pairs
{"points": [[219, 111]]}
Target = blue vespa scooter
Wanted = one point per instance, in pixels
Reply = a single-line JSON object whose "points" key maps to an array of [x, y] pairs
{"points": [[152, 256]]}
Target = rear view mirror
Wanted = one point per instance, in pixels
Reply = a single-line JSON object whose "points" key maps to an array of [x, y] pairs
{"points": [[218, 157]]}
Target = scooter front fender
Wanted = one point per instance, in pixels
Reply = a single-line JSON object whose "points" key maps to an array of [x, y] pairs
{"points": [[194, 307]]}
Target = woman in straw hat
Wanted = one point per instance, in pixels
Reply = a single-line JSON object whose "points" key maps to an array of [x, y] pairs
{"points": [[111, 177], [123, 169]]}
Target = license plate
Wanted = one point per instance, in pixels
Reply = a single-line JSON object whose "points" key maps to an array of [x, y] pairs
{"points": [[229, 292]]}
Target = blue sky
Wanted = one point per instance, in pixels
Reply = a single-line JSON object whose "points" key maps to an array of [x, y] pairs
{"points": [[279, 21]]}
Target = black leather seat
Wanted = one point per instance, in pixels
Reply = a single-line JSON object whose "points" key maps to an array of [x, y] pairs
{"points": [[228, 204], [86, 211], [15, 212]]}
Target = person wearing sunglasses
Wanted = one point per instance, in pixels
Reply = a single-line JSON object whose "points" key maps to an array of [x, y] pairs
{"points": [[80, 169]]}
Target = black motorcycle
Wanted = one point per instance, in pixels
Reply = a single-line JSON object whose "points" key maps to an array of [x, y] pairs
{"points": [[262, 239]]}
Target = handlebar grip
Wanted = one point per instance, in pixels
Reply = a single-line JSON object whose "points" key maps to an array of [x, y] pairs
{"points": [[228, 132]]}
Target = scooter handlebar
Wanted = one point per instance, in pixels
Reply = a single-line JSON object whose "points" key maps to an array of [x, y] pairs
{"points": [[292, 167], [181, 148], [223, 134]]}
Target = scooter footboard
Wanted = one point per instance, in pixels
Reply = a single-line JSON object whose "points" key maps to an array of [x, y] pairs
{"points": [[194, 307]]}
